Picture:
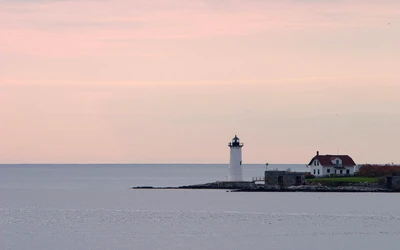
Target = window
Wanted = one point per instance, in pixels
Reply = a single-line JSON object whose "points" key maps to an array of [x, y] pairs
{"points": [[341, 171], [328, 170], [337, 161], [314, 171], [318, 171], [347, 171]]}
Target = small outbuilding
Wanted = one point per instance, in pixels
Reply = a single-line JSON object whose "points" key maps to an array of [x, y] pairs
{"points": [[283, 178], [393, 182]]}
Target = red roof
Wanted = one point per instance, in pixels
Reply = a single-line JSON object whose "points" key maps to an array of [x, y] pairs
{"points": [[326, 160]]}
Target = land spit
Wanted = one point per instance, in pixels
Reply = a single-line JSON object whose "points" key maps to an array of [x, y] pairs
{"points": [[253, 187]]}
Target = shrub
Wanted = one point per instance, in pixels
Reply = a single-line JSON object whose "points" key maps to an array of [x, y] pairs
{"points": [[369, 170], [309, 176]]}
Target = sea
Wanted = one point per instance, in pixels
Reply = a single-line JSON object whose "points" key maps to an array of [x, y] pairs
{"points": [[93, 206]]}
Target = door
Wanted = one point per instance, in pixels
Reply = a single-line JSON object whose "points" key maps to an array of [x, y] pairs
{"points": [[280, 181], [389, 182], [298, 181]]}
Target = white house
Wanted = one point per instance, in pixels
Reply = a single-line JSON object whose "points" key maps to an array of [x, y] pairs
{"points": [[326, 165]]}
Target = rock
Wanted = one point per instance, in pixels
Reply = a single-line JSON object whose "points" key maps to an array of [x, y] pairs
{"points": [[252, 187], [143, 187]]}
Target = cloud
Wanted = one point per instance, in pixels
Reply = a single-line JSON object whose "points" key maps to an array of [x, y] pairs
{"points": [[68, 28], [126, 71]]}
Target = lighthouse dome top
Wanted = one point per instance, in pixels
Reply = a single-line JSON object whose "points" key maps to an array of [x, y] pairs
{"points": [[235, 142]]}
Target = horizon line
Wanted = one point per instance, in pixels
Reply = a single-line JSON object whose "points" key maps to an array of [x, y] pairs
{"points": [[147, 163]]}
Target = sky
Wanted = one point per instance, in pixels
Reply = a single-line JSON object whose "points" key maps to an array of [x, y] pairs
{"points": [[172, 81]]}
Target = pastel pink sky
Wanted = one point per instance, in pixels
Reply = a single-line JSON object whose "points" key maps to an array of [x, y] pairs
{"points": [[135, 81]]}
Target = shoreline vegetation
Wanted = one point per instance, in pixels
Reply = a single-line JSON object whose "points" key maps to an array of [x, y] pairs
{"points": [[349, 179], [375, 170]]}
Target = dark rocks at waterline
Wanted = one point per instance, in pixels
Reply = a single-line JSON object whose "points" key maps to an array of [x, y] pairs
{"points": [[151, 187], [305, 188], [223, 185], [212, 185], [252, 187]]}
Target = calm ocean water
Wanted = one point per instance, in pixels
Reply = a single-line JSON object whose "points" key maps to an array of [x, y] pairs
{"points": [[93, 207]]}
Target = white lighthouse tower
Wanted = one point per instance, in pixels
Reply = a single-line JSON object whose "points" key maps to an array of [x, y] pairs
{"points": [[235, 164]]}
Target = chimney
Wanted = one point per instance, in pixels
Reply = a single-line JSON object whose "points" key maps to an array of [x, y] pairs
{"points": [[317, 153]]}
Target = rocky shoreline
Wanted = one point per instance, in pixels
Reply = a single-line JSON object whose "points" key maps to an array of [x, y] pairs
{"points": [[252, 187]]}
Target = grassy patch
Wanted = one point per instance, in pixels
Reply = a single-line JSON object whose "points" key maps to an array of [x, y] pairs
{"points": [[352, 179]]}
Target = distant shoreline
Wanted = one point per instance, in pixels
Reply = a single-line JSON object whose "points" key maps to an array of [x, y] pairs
{"points": [[252, 187]]}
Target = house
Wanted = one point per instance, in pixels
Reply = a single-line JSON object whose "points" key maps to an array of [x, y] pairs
{"points": [[326, 165]]}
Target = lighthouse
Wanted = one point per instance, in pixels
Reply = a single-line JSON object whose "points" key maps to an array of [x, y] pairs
{"points": [[235, 164]]}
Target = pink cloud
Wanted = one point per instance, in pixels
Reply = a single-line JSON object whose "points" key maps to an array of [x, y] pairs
{"points": [[97, 80], [74, 28]]}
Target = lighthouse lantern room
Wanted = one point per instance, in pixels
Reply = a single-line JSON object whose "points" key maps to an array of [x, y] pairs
{"points": [[235, 164]]}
